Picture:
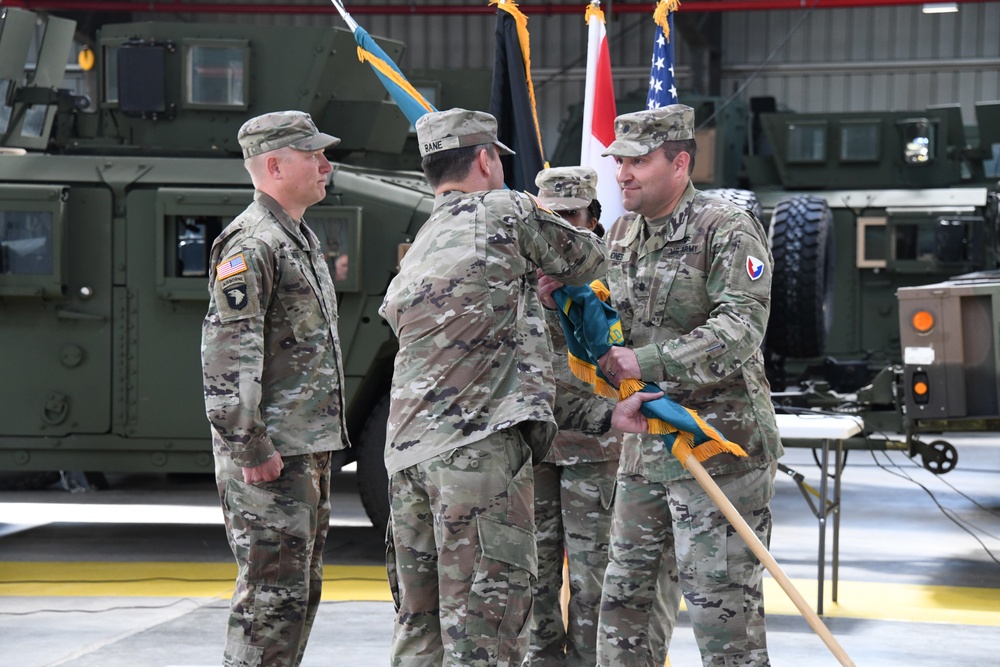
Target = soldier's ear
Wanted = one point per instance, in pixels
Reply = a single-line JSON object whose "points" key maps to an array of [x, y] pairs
{"points": [[483, 161], [682, 161]]}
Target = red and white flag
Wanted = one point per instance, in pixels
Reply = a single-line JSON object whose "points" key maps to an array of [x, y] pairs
{"points": [[599, 117]]}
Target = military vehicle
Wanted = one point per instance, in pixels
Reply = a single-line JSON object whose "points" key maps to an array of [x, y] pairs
{"points": [[106, 219], [951, 357]]}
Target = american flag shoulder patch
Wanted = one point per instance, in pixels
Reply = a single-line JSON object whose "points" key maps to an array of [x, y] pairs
{"points": [[231, 267]]}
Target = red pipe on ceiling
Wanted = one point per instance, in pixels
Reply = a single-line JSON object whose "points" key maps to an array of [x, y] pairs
{"points": [[175, 6]]}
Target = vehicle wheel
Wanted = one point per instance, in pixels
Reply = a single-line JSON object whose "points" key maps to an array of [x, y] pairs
{"points": [[939, 457], [743, 198], [373, 482], [801, 240]]}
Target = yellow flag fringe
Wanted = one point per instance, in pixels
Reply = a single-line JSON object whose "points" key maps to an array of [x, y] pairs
{"points": [[587, 372], [583, 370], [661, 12], [717, 445], [600, 290], [386, 70], [593, 10], [521, 21], [659, 427], [629, 386]]}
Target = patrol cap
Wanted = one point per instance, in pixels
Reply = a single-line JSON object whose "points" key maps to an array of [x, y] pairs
{"points": [[457, 128], [640, 132], [567, 188], [272, 131]]}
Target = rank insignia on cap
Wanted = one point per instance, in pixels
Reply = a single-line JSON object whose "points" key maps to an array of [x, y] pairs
{"points": [[755, 267], [230, 267], [236, 296]]}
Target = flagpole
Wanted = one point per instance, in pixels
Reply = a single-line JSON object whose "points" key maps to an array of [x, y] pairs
{"points": [[752, 541], [351, 23], [589, 82]]}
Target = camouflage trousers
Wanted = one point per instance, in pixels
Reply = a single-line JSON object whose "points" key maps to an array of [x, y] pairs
{"points": [[277, 531], [461, 556], [572, 517], [677, 522]]}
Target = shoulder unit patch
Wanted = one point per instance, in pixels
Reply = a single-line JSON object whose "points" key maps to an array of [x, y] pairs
{"points": [[230, 267]]}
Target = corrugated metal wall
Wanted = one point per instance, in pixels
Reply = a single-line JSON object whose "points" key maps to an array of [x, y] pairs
{"points": [[878, 58]]}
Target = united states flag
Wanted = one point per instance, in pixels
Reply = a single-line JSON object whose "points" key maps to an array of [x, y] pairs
{"points": [[231, 268], [662, 86]]}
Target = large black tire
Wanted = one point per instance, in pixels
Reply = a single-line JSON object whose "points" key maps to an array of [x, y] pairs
{"points": [[745, 199], [373, 482], [801, 238]]}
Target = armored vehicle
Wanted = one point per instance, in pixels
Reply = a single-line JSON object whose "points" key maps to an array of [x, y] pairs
{"points": [[881, 201], [106, 219]]}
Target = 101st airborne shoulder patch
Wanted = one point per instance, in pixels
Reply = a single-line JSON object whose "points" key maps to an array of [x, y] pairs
{"points": [[233, 293]]}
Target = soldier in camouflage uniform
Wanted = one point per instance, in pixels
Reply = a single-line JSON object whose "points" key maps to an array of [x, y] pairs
{"points": [[472, 401], [574, 485], [574, 489], [690, 276], [273, 384]]}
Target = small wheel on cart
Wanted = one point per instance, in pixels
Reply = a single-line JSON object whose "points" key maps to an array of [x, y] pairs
{"points": [[939, 456]]}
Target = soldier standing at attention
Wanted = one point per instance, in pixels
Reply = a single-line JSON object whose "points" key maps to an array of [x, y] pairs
{"points": [[273, 390], [471, 401], [690, 276]]}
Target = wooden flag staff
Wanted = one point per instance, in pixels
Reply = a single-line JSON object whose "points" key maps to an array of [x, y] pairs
{"points": [[698, 471]]}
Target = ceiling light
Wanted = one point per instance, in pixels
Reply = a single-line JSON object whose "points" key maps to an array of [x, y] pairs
{"points": [[940, 7]]}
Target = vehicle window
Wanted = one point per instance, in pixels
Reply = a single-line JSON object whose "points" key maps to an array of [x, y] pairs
{"points": [[914, 241], [25, 242], [193, 236], [334, 238], [215, 75], [859, 142], [806, 142]]}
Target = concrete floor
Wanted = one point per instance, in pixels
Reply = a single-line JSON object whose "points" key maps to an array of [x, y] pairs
{"points": [[915, 588]]}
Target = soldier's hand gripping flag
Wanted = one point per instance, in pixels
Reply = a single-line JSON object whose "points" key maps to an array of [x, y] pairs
{"points": [[407, 98], [592, 328]]}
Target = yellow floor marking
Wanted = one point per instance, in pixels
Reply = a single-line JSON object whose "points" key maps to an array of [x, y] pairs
{"points": [[857, 599], [66, 579]]}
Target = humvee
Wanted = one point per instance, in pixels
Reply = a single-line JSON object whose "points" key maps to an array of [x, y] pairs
{"points": [[107, 217]]}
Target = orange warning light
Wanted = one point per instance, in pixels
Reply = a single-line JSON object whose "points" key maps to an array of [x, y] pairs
{"points": [[922, 321]]}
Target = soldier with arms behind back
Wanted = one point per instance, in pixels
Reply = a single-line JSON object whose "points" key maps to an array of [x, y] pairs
{"points": [[471, 401], [273, 383]]}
